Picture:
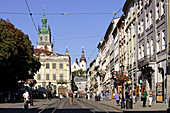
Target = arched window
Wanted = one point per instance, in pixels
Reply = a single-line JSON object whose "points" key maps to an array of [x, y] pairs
{"points": [[41, 38], [46, 38]]}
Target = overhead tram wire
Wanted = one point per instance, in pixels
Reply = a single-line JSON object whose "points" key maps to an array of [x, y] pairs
{"points": [[31, 16], [53, 14], [91, 54]]}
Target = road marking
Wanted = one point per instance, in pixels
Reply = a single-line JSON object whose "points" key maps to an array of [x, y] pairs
{"points": [[47, 106]]}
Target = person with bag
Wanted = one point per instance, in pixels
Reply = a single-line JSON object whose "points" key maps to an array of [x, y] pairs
{"points": [[150, 98], [71, 97], [26, 99], [144, 96]]}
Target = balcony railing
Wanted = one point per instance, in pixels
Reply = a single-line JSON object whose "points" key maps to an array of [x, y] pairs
{"points": [[146, 59]]}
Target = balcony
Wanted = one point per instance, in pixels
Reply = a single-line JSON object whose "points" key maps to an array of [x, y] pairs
{"points": [[146, 59], [61, 82]]}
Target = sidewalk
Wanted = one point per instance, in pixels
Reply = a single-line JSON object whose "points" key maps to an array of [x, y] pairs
{"points": [[18, 107], [136, 107]]}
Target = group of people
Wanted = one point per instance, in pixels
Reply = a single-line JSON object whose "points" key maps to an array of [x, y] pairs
{"points": [[144, 97], [10, 96], [105, 96]]}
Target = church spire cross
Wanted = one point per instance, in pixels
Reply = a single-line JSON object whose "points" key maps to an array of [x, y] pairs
{"points": [[44, 19]]}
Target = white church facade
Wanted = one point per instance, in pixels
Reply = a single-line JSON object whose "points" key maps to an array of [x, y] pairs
{"points": [[55, 68]]}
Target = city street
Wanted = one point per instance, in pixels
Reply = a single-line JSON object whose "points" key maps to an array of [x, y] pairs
{"points": [[80, 105], [54, 106]]}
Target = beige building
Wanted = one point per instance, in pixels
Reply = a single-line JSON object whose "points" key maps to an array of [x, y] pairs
{"points": [[55, 68]]}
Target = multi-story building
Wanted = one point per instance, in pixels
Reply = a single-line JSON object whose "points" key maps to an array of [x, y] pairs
{"points": [[146, 34], [81, 83], [129, 10], [55, 68]]}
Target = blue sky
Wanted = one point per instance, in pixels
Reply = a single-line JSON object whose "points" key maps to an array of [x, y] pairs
{"points": [[85, 26]]}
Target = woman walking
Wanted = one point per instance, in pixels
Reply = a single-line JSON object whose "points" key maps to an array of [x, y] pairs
{"points": [[150, 98], [117, 97]]}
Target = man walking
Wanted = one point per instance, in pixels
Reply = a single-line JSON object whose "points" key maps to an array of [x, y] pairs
{"points": [[71, 97], [144, 96], [26, 99]]}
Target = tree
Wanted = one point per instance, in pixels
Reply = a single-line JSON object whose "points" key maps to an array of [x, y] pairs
{"points": [[75, 88], [16, 56], [79, 73]]}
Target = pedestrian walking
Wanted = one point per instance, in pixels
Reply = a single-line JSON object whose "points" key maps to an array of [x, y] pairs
{"points": [[150, 98], [117, 97], [107, 95], [144, 96], [101, 96], [104, 95], [134, 97], [26, 99], [61, 96], [45, 96], [71, 97]]}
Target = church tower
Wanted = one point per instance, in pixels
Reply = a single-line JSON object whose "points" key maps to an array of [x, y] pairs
{"points": [[44, 35], [83, 60]]}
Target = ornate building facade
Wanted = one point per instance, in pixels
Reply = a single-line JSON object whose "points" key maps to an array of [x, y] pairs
{"points": [[55, 68]]}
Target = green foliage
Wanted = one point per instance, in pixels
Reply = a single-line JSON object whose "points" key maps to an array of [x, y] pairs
{"points": [[16, 55], [79, 73], [75, 88], [95, 86]]}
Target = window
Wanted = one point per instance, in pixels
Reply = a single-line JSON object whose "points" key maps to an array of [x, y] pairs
{"points": [[163, 39], [39, 77], [54, 65], [46, 38], [134, 29], [74, 67], [82, 65], [147, 20], [158, 36], [47, 77], [47, 65], [54, 76], [158, 41], [61, 76], [142, 26], [157, 11], [142, 51], [41, 38], [61, 65], [152, 45], [150, 18], [162, 7], [148, 53], [139, 29]]}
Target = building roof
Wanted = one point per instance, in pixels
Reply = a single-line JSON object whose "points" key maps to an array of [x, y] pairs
{"points": [[37, 52], [79, 79]]}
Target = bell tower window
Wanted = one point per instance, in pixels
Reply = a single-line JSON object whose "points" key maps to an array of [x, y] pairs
{"points": [[41, 38]]}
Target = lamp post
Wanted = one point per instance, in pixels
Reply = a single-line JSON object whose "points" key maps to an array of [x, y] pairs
{"points": [[31, 85], [122, 104]]}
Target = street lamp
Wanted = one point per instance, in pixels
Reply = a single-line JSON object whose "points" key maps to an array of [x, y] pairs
{"points": [[31, 85], [122, 104]]}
